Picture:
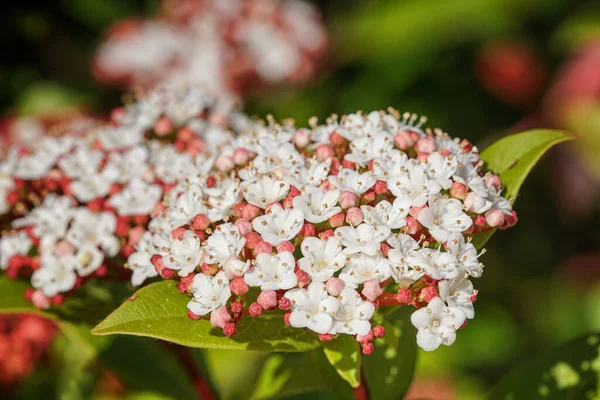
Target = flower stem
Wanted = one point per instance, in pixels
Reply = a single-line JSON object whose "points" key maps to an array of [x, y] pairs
{"points": [[361, 392]]}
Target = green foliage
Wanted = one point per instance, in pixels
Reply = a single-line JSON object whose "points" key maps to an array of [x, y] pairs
{"points": [[571, 371], [159, 311], [344, 354]]}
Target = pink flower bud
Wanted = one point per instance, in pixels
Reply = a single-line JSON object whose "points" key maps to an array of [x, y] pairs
{"points": [[238, 286], [348, 164], [177, 234], [494, 217], [336, 221], [236, 307], [252, 239], [324, 152], [371, 290], [244, 226], [327, 337], [241, 156], [250, 212], [193, 316], [428, 293], [135, 234], [302, 138], [422, 157], [511, 219], [64, 248], [458, 191], [412, 226], [224, 163], [404, 296], [480, 221], [40, 301], [200, 222], [285, 246], [336, 139], [157, 261], [369, 337], [307, 230], [403, 140], [229, 329], [326, 234], [494, 180], [414, 212], [384, 249], [303, 278], [285, 303], [185, 134], [354, 216], [219, 317], [426, 144], [286, 318], [185, 284], [378, 331], [255, 309], [122, 229], [367, 348], [263, 247], [267, 299], [335, 286], [429, 281], [380, 187], [368, 197], [348, 199], [163, 127]]}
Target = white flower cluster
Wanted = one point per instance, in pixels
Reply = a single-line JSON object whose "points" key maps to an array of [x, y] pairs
{"points": [[223, 47], [325, 221]]}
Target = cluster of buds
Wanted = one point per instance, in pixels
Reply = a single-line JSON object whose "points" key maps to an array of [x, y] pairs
{"points": [[76, 205], [24, 340], [328, 223], [225, 46]]}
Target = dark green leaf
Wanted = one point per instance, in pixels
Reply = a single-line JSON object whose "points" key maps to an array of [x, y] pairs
{"points": [[344, 354], [159, 311], [571, 371]]}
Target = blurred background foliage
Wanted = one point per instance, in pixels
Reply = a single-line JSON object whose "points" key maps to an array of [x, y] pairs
{"points": [[477, 68]]}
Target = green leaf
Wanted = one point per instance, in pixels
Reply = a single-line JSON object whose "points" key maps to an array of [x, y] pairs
{"points": [[513, 157], [389, 369], [344, 354], [571, 371], [159, 311]]}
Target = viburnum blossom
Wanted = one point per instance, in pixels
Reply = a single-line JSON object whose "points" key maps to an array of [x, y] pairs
{"points": [[224, 48], [362, 212]]}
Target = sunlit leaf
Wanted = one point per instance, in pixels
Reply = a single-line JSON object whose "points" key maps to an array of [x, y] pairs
{"points": [[159, 311], [344, 354]]}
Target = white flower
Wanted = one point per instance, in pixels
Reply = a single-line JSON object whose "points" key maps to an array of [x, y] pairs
{"points": [[403, 247], [312, 308], [441, 168], [234, 267], [184, 208], [465, 253], [279, 225], [317, 205], [313, 173], [138, 198], [458, 293], [416, 185], [17, 243], [394, 164], [84, 161], [476, 203], [161, 228], [437, 324], [55, 275], [36, 165], [124, 167], [365, 149], [273, 272], [88, 259], [225, 242], [185, 254], [444, 217], [387, 214], [90, 186], [222, 198], [94, 228], [210, 293], [361, 268], [170, 166], [50, 219], [7, 184], [364, 238], [322, 258], [437, 264], [352, 181], [354, 315], [139, 262], [264, 191], [273, 156]]}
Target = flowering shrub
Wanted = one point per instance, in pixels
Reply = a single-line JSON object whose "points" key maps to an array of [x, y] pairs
{"points": [[79, 203], [226, 47], [330, 223]]}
